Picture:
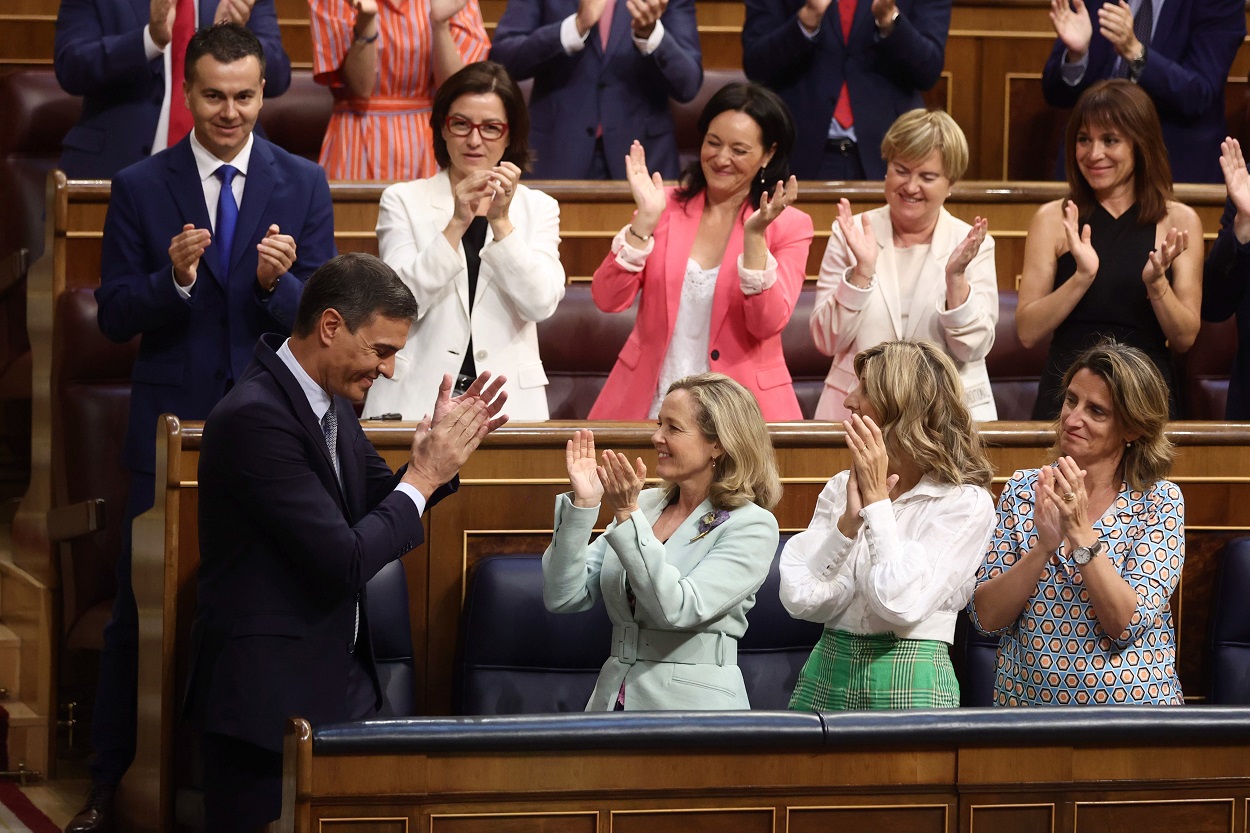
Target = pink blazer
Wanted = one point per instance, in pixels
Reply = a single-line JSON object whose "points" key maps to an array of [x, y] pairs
{"points": [[745, 338]]}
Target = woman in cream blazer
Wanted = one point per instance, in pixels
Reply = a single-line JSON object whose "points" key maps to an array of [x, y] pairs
{"points": [[926, 153], [520, 279]]}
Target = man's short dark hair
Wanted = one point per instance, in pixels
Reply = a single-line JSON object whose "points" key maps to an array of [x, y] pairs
{"points": [[358, 286], [227, 43]]}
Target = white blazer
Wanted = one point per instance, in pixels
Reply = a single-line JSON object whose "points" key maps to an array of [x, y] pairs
{"points": [[847, 319], [520, 282]]}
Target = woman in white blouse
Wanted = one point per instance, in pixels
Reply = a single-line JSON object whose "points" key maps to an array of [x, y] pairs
{"points": [[909, 271], [478, 249], [891, 553]]}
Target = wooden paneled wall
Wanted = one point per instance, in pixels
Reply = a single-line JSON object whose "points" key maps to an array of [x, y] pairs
{"points": [[991, 82]]}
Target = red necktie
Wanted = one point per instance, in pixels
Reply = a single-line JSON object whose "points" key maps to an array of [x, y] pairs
{"points": [[842, 112], [605, 23], [184, 28]]}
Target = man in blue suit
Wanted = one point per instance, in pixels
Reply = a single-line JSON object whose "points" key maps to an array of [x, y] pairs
{"points": [[604, 71], [116, 55], [1178, 51], [297, 513], [206, 247], [845, 80]]}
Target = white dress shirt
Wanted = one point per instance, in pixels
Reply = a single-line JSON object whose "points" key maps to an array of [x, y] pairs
{"points": [[206, 166], [908, 571]]}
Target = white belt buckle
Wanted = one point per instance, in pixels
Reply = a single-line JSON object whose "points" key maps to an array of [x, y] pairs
{"points": [[628, 651]]}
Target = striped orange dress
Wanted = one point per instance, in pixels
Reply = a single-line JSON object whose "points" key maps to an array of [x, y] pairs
{"points": [[386, 136]]}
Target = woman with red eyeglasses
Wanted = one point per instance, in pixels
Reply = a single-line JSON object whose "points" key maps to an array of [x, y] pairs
{"points": [[478, 249]]}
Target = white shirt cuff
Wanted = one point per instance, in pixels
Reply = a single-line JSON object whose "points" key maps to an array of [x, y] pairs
{"points": [[811, 36], [150, 49], [630, 258], [652, 43], [411, 491], [184, 291], [569, 39], [755, 281], [824, 563]]}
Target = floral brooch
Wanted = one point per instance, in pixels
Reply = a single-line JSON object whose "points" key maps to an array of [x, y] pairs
{"points": [[709, 522]]}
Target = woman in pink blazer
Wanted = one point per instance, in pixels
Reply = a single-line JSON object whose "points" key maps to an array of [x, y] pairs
{"points": [[719, 262]]}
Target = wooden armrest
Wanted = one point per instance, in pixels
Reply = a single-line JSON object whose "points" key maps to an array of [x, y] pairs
{"points": [[77, 519], [13, 269]]}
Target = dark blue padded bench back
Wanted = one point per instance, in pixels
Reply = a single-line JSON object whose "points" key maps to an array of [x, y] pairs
{"points": [[775, 646], [390, 629], [1230, 627], [514, 656]]}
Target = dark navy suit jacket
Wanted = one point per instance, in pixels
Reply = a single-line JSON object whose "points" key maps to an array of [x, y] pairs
{"points": [[884, 76], [621, 89], [99, 55], [1187, 64], [191, 348], [1224, 282], [284, 552]]}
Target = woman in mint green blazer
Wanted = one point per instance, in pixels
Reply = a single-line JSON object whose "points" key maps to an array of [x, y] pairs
{"points": [[679, 565]]}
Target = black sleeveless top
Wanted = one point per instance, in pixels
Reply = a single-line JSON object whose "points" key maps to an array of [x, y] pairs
{"points": [[1115, 305]]}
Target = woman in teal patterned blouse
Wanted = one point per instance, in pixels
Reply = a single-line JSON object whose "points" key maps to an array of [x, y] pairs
{"points": [[1089, 550]]}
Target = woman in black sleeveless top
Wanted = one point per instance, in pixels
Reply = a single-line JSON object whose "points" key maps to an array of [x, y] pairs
{"points": [[1118, 258]]}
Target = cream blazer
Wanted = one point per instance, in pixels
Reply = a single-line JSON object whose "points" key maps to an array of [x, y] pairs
{"points": [[520, 282], [847, 319]]}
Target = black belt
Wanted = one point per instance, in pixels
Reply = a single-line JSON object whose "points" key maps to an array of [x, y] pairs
{"points": [[842, 147]]}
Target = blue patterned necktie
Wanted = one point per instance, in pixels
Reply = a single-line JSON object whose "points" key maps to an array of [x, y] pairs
{"points": [[227, 217], [1143, 22], [330, 427]]}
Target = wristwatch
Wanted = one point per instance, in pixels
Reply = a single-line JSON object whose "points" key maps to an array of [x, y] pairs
{"points": [[1137, 65], [1083, 555]]}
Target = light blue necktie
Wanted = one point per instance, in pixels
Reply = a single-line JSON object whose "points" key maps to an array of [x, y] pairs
{"points": [[227, 217]]}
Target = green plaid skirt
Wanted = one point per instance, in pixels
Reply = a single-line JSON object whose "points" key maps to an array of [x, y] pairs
{"points": [[878, 671]]}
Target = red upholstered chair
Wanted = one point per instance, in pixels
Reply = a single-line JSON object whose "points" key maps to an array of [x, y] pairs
{"points": [[1206, 369], [1014, 370], [808, 366], [686, 116], [296, 120], [579, 344]]}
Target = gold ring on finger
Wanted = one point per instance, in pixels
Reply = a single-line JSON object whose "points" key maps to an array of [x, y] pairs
{"points": [[1068, 497]]}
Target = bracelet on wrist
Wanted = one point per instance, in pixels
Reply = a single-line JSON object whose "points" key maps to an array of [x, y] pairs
{"points": [[630, 229], [363, 39]]}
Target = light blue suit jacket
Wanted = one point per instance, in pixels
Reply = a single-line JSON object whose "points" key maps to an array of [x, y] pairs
{"points": [[692, 584]]}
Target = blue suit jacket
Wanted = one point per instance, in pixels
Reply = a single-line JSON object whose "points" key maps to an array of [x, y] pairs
{"points": [[99, 55], [284, 553], [192, 347], [1223, 294], [1187, 64], [621, 89], [884, 76]]}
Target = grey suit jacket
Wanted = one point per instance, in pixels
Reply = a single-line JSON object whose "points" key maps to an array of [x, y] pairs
{"points": [[689, 584]]}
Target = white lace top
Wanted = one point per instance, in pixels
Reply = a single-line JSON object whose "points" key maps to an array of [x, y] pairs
{"points": [[687, 349]]}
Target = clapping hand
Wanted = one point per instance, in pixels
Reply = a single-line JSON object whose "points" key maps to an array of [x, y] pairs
{"points": [[579, 458], [1073, 26], [1115, 23], [504, 179], [643, 14], [275, 254], [185, 251], [784, 193], [862, 242], [233, 11], [1238, 183], [869, 479], [442, 11], [1046, 511], [441, 447], [490, 392], [1079, 242], [647, 189], [967, 249], [621, 483], [1161, 258]]}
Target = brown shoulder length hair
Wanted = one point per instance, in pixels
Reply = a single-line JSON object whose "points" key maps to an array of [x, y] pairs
{"points": [[1124, 107]]}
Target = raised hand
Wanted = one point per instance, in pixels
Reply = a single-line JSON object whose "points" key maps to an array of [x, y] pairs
{"points": [[1233, 163], [812, 12], [1161, 258], [1079, 242], [275, 255], [869, 459], [185, 251], [490, 392], [1115, 23], [883, 12], [621, 483], [472, 196], [234, 11], [647, 189], [441, 448], [366, 11], [161, 15], [643, 14], [1071, 499], [504, 179], [442, 11], [1045, 512], [771, 206], [967, 249], [579, 458], [862, 241], [1072, 25], [588, 14]]}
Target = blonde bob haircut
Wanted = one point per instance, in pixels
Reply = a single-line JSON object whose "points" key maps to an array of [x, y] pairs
{"points": [[1139, 400], [917, 133], [728, 414], [915, 389]]}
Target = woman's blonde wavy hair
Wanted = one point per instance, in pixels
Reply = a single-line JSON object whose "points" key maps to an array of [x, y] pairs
{"points": [[915, 389], [1139, 400], [727, 413]]}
